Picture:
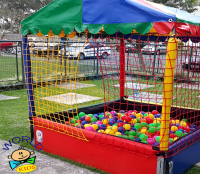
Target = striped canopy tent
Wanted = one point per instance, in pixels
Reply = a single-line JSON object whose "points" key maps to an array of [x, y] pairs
{"points": [[62, 17]]}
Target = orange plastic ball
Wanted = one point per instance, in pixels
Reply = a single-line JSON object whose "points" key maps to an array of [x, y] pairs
{"points": [[88, 118]]}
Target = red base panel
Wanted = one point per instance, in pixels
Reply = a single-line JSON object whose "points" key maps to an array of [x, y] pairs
{"points": [[111, 159]]}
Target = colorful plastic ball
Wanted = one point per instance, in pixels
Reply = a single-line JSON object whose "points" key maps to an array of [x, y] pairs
{"points": [[178, 133], [157, 115], [88, 118], [172, 136], [157, 133], [118, 136], [102, 126], [184, 124], [120, 124], [143, 120], [144, 141], [146, 114], [154, 112], [86, 125], [81, 114], [175, 138], [131, 137], [150, 141], [117, 133], [90, 128], [115, 128], [95, 126], [76, 117], [91, 115], [152, 125], [73, 121], [82, 118], [80, 126], [184, 119], [192, 129], [137, 139], [174, 128], [144, 124], [132, 133], [93, 119], [105, 121], [139, 115], [125, 136], [133, 121], [149, 120], [122, 111], [143, 137], [101, 116], [133, 128], [143, 131], [187, 128], [152, 130], [127, 126], [151, 116], [158, 139], [142, 112], [77, 124], [126, 132], [138, 120], [128, 119], [193, 126], [84, 122], [120, 129], [150, 135], [99, 122], [138, 134], [171, 140], [101, 131], [156, 144]]}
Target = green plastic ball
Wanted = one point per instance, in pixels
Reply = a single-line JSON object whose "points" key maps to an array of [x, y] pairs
{"points": [[124, 136], [91, 115], [152, 125], [93, 119], [132, 133], [143, 137], [171, 140], [138, 120], [146, 115], [144, 141], [81, 114], [158, 139], [118, 135], [126, 132], [178, 133], [131, 137], [101, 116], [115, 124], [157, 124], [143, 124], [73, 121], [152, 130], [76, 117], [138, 134], [184, 119]]}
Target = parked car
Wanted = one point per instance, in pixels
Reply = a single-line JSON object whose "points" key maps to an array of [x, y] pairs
{"points": [[6, 46], [85, 50], [192, 62], [47, 50], [150, 49], [130, 48]]}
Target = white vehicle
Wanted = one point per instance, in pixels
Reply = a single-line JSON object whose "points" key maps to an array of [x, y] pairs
{"points": [[150, 49], [86, 50]]}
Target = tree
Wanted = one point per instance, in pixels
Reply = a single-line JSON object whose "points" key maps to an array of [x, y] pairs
{"points": [[13, 12], [186, 5]]}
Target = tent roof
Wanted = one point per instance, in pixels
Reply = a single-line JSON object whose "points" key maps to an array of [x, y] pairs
{"points": [[111, 15]]}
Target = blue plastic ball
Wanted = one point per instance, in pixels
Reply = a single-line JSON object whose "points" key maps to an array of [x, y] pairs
{"points": [[115, 118], [84, 122], [192, 129], [96, 116], [119, 121], [142, 112], [134, 129], [156, 144], [82, 127], [121, 129], [137, 139], [157, 115], [82, 118], [193, 126]]}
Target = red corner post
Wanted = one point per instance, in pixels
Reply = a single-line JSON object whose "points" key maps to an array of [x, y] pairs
{"points": [[122, 67]]}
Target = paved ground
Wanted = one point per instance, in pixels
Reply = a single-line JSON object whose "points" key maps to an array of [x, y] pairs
{"points": [[5, 97], [44, 163]]}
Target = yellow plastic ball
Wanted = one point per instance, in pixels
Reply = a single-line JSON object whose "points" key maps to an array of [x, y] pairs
{"points": [[176, 138], [105, 121], [177, 121], [101, 131], [173, 122], [117, 133], [156, 121], [109, 127], [127, 126], [134, 113], [86, 125], [139, 115], [174, 128], [112, 132], [133, 121], [95, 126], [143, 131], [183, 124], [151, 116], [115, 128], [107, 131], [110, 116]]}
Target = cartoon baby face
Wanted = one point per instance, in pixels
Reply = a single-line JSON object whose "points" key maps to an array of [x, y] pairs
{"points": [[20, 155]]}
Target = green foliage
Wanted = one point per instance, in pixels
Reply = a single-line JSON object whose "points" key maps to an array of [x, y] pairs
{"points": [[186, 5]]}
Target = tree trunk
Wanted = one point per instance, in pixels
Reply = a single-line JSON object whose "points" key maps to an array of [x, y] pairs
{"points": [[140, 57]]}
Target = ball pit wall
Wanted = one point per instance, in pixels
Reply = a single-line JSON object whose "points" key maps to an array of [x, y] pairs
{"points": [[107, 158]]}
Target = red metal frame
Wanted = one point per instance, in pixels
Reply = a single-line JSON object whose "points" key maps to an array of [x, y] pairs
{"points": [[122, 67]]}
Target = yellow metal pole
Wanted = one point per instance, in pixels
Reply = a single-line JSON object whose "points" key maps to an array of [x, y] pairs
{"points": [[168, 92]]}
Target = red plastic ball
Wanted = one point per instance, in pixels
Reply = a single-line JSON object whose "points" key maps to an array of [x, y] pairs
{"points": [[88, 118], [128, 119], [149, 120], [123, 118], [180, 127], [157, 133], [154, 112], [143, 120], [120, 124], [150, 135], [186, 128], [172, 136]]}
